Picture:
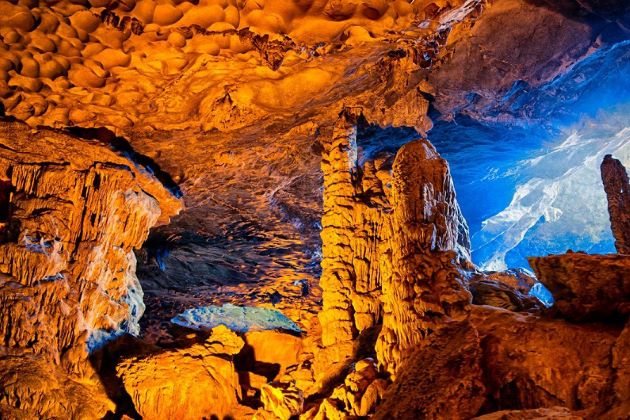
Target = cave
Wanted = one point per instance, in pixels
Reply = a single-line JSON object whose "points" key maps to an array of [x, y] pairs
{"points": [[314, 209]]}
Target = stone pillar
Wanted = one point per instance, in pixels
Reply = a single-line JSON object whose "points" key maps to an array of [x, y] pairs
{"points": [[423, 292], [617, 189], [339, 165], [389, 236]]}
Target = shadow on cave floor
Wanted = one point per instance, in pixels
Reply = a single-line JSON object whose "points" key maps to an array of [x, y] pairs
{"points": [[104, 362]]}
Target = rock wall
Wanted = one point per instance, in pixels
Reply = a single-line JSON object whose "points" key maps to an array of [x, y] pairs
{"points": [[389, 231], [617, 189], [532, 362], [73, 212], [442, 380]]}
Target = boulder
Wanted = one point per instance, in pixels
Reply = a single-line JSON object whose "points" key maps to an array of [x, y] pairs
{"points": [[271, 351], [441, 379], [586, 287], [195, 382], [532, 362]]}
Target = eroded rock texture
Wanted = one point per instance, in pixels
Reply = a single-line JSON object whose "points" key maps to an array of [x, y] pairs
{"points": [[617, 189], [503, 289], [73, 212], [32, 387], [586, 287], [439, 380], [195, 382], [359, 394], [531, 362], [390, 232], [234, 98]]}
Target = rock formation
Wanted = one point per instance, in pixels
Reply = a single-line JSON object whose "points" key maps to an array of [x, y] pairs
{"points": [[73, 213], [195, 382], [389, 233], [528, 363], [359, 394], [587, 287], [442, 379], [617, 187]]}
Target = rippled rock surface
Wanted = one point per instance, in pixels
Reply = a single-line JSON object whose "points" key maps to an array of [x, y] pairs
{"points": [[587, 286]]}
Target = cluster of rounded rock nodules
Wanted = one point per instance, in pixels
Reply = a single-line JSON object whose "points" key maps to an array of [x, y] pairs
{"points": [[116, 63], [409, 328]]}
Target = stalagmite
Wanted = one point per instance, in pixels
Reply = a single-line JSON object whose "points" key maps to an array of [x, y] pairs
{"points": [[389, 231]]}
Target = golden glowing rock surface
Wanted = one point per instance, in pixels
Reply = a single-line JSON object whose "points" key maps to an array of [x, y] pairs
{"points": [[176, 64], [188, 383]]}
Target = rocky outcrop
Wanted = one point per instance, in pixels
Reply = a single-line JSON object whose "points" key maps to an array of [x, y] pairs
{"points": [[488, 70], [199, 381], [73, 211], [516, 278], [423, 290], [359, 394], [500, 295], [586, 287], [617, 189], [533, 414], [503, 289], [280, 401], [32, 387], [531, 362], [440, 380], [619, 402], [270, 353], [390, 232]]}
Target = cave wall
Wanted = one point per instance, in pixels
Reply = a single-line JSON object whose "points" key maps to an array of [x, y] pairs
{"points": [[73, 211]]}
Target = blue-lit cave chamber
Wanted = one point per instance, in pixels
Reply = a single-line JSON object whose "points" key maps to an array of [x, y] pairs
{"points": [[532, 186], [527, 169]]}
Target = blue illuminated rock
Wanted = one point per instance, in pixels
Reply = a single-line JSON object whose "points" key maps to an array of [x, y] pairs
{"points": [[241, 319]]}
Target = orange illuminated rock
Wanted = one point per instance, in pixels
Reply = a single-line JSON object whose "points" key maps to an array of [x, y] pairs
{"points": [[281, 401], [586, 287], [32, 387], [533, 414], [359, 394], [195, 382], [532, 362], [503, 289], [620, 401], [390, 232], [238, 99], [442, 379], [271, 349], [73, 212]]}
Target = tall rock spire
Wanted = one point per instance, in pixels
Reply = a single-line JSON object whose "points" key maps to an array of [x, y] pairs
{"points": [[617, 189]]}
